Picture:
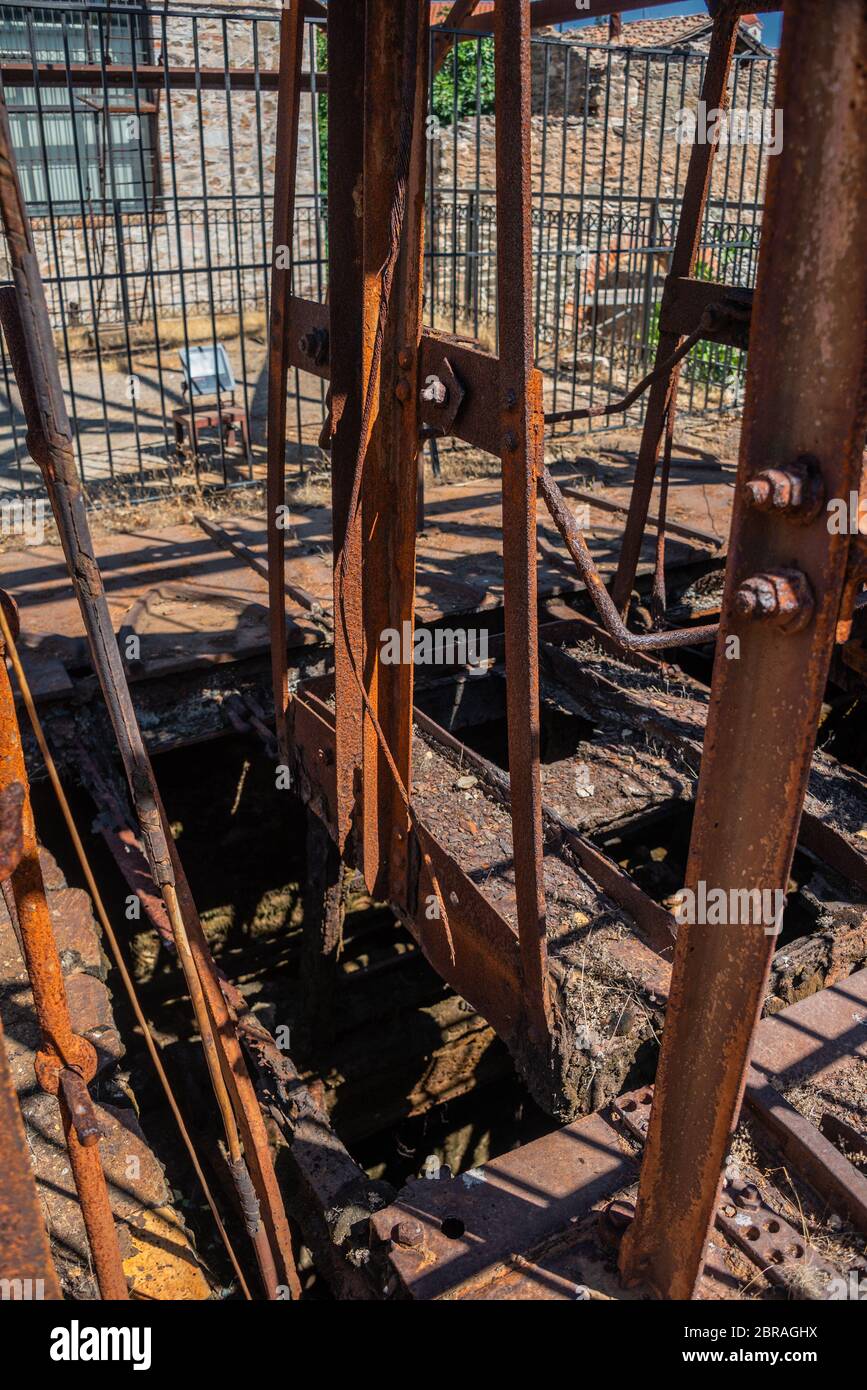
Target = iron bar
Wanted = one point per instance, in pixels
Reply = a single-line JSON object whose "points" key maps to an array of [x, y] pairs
{"points": [[288, 114], [805, 393], [600, 598], [521, 421]]}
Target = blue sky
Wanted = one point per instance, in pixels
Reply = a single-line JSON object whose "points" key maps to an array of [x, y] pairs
{"points": [[771, 23]]}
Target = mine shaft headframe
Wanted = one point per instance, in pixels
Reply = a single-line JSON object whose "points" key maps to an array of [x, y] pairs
{"points": [[804, 394]]}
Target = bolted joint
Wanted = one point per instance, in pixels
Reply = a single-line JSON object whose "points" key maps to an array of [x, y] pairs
{"points": [[408, 1233], [435, 391], [795, 491], [402, 390], [783, 597], [49, 1066]]}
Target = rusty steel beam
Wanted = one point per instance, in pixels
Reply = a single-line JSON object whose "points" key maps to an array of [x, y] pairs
{"points": [[698, 180], [288, 113], [545, 12], [805, 395], [522, 424], [345, 35], [396, 89], [444, 42]]}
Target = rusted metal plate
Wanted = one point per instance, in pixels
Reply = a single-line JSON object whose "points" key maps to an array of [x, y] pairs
{"points": [[473, 948], [811, 1038], [808, 1151], [468, 1228], [768, 1239], [685, 300]]}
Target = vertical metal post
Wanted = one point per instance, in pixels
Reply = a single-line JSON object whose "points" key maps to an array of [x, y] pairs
{"points": [[805, 396], [715, 95], [285, 163], [396, 89], [522, 421], [345, 35]]}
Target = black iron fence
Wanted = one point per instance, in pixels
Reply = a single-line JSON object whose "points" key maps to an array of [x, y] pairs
{"points": [[152, 211]]}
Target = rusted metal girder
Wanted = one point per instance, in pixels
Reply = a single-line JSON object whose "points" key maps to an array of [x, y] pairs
{"points": [[664, 391], [288, 111], [65, 1061], [805, 396], [545, 12], [522, 446], [395, 151], [345, 36], [24, 318]]}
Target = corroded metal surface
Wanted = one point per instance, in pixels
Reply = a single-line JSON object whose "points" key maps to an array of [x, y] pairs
{"points": [[805, 394]]}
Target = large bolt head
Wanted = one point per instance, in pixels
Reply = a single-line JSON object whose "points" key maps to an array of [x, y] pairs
{"points": [[409, 1233], [796, 490], [782, 596]]}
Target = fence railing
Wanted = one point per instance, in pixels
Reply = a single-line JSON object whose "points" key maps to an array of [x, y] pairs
{"points": [[152, 210]]}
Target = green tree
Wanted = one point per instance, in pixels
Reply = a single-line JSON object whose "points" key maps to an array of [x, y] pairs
{"points": [[471, 72]]}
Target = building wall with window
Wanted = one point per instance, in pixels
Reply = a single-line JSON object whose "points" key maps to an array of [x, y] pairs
{"points": [[153, 201]]}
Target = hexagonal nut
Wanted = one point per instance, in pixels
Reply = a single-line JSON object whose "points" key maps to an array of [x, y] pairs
{"points": [[796, 490], [783, 597], [408, 1233]]}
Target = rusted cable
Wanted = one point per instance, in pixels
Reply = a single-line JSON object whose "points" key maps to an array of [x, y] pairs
{"points": [[602, 602], [63, 1055], [108, 931]]}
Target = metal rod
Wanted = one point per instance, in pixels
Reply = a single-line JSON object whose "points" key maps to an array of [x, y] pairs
{"points": [[288, 112], [599, 595]]}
